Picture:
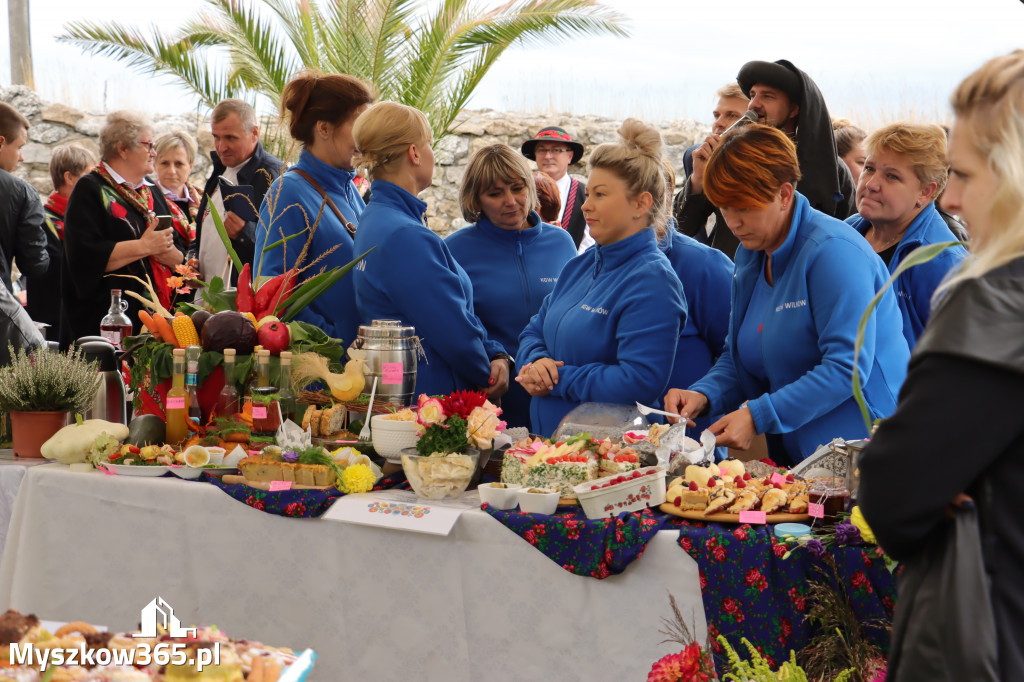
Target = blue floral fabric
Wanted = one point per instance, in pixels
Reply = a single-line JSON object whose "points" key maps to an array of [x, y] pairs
{"points": [[597, 548], [302, 503]]}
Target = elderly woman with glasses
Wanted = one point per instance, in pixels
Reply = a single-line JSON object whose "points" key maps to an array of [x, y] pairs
{"points": [[111, 227]]}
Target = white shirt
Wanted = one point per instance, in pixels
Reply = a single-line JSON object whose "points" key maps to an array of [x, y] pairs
{"points": [[121, 181], [213, 257], [563, 193]]}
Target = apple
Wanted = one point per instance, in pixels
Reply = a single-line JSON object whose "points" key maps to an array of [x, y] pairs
{"points": [[273, 336]]}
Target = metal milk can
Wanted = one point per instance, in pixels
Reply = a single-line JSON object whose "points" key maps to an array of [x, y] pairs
{"points": [[389, 351]]}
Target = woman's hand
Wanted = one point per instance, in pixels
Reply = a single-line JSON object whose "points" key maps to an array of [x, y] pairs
{"points": [[735, 430], [685, 404], [156, 242], [539, 377], [170, 256], [498, 384]]}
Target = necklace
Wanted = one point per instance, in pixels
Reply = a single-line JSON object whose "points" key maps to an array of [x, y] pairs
{"points": [[885, 245]]}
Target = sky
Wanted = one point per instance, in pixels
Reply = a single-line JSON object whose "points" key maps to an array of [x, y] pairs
{"points": [[874, 60]]}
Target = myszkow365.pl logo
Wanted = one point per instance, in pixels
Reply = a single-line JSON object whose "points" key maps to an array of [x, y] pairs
{"points": [[157, 615]]}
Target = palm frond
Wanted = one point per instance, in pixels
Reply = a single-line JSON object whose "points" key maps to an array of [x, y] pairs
{"points": [[436, 59], [183, 60], [258, 58], [527, 22], [346, 37], [298, 24]]}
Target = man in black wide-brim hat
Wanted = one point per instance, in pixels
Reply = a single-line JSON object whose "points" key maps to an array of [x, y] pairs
{"points": [[554, 150]]}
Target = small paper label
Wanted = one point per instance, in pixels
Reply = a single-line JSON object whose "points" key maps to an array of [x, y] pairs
{"points": [[176, 403], [276, 486], [259, 411], [778, 478], [758, 517], [392, 373], [816, 511], [253, 453]]}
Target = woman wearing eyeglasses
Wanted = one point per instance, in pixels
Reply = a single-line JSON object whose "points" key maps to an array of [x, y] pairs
{"points": [[110, 227]]}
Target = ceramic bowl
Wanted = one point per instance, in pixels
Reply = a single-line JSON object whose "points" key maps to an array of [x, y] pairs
{"points": [[506, 497], [216, 455], [390, 437], [538, 503]]}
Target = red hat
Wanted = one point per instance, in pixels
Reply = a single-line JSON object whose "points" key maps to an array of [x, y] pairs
{"points": [[552, 134]]}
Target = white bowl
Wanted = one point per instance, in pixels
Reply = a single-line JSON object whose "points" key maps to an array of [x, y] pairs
{"points": [[538, 503], [187, 472], [506, 497], [216, 455], [390, 437]]}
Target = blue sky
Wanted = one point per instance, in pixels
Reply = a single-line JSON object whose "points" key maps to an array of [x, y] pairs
{"points": [[875, 60]]}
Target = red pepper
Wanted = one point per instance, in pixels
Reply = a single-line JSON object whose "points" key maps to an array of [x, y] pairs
{"points": [[286, 290], [133, 449], [266, 294], [243, 294]]}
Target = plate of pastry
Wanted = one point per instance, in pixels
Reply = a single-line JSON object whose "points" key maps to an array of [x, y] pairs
{"points": [[720, 492]]}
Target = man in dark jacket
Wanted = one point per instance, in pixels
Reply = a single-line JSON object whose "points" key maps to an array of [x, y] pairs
{"points": [[21, 212], [785, 97], [238, 159], [554, 150]]}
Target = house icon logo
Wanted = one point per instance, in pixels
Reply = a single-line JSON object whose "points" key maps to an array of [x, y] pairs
{"points": [[159, 612]]}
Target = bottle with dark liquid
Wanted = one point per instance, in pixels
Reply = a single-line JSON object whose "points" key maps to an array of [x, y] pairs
{"points": [[195, 412], [227, 401], [115, 325]]}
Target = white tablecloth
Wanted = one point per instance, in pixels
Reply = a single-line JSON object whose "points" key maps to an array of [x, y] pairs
{"points": [[12, 471], [479, 604]]}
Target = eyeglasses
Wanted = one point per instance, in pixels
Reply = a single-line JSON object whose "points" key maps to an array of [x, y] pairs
{"points": [[150, 146], [542, 152]]}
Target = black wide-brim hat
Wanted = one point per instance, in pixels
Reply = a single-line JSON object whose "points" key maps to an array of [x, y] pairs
{"points": [[552, 134], [772, 74]]}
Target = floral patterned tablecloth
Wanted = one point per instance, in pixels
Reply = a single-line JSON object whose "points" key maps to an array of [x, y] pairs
{"points": [[750, 590]]}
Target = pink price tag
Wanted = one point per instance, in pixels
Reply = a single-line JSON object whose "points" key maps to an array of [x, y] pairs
{"points": [[816, 511], [259, 411], [253, 453], [778, 478], [757, 517], [277, 486], [392, 373], [176, 403]]}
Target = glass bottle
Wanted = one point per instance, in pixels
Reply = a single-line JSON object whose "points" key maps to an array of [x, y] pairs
{"points": [[177, 403], [286, 397], [227, 400], [195, 412], [260, 394], [262, 369], [115, 325]]}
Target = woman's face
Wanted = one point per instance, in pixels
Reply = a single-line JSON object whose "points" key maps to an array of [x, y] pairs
{"points": [[889, 193], [173, 169], [504, 204], [342, 145], [854, 160], [763, 229], [137, 159], [972, 184], [610, 213]]}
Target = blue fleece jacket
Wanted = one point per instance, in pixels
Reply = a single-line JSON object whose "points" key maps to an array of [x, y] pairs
{"points": [[825, 275], [411, 276], [914, 288], [281, 213], [512, 271], [614, 319]]}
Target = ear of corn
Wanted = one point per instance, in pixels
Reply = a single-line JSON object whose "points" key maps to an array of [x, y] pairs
{"points": [[185, 331]]}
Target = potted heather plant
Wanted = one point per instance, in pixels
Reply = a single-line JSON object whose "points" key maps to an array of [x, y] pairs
{"points": [[40, 389]]}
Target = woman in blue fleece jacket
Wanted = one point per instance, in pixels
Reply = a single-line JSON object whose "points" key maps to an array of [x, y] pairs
{"points": [[321, 113], [905, 170], [512, 258], [608, 331], [411, 275], [803, 280]]}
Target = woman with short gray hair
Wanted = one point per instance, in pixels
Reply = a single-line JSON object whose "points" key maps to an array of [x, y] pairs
{"points": [[111, 228], [175, 157]]}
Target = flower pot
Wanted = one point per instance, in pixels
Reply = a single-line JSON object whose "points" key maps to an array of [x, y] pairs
{"points": [[32, 429]]}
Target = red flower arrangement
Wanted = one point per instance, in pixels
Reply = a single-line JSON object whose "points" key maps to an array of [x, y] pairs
{"points": [[692, 664]]}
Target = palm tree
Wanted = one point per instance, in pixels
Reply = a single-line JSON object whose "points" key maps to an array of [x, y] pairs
{"points": [[432, 60]]}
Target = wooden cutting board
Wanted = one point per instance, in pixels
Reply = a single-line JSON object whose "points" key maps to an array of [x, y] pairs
{"points": [[728, 518], [265, 485]]}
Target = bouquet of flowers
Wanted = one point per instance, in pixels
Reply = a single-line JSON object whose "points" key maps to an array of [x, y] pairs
{"points": [[454, 423]]}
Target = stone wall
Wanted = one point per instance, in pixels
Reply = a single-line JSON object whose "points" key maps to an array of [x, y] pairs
{"points": [[53, 124]]}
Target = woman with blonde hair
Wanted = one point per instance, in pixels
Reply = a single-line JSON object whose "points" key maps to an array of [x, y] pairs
{"points": [[803, 279], [411, 275], [510, 255], [175, 157], [608, 330], [850, 145], [905, 170], [968, 363], [316, 198]]}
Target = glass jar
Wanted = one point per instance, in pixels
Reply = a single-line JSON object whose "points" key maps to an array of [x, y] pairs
{"points": [[266, 413], [832, 494]]}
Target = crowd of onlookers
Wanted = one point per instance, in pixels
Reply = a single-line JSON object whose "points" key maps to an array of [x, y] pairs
{"points": [[746, 301], [741, 292]]}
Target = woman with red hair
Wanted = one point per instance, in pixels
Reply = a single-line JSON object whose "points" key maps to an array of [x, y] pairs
{"points": [[803, 280]]}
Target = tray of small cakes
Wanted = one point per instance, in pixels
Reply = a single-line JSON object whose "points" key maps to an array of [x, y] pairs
{"points": [[723, 492]]}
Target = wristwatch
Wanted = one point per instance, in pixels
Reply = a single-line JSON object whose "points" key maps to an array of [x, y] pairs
{"points": [[509, 359]]}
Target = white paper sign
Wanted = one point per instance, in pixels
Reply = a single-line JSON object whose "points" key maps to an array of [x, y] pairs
{"points": [[401, 510]]}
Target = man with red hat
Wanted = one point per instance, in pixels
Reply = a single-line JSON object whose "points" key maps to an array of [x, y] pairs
{"points": [[554, 150]]}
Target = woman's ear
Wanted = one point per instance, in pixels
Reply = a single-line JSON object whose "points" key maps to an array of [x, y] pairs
{"points": [[643, 203], [413, 154], [786, 193], [928, 193]]}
